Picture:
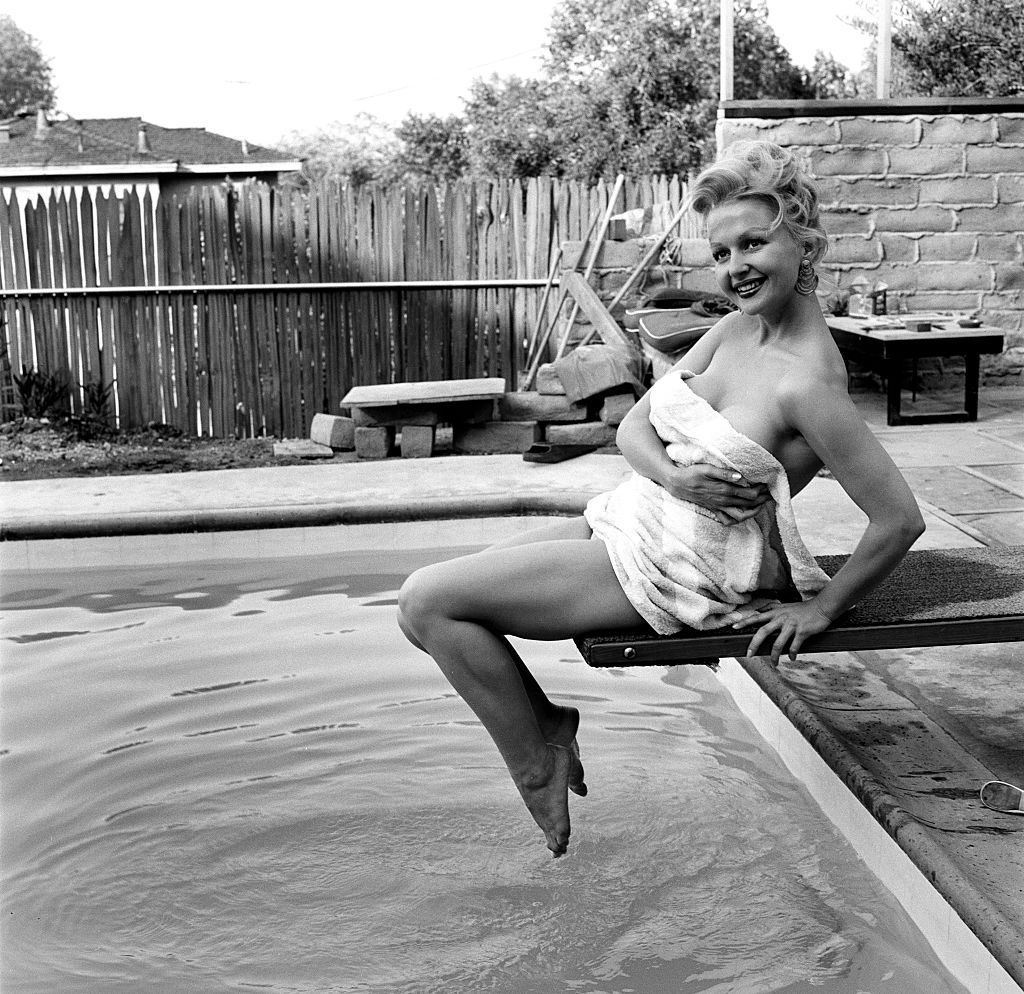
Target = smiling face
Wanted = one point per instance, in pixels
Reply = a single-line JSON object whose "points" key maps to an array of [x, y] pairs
{"points": [[756, 268]]}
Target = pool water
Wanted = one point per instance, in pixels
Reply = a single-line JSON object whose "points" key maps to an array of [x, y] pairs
{"points": [[237, 775]]}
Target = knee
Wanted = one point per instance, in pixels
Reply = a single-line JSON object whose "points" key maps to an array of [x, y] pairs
{"points": [[419, 603]]}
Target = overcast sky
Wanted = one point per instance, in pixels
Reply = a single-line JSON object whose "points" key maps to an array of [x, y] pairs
{"points": [[259, 71]]}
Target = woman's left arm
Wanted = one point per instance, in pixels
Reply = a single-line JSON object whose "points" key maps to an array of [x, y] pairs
{"points": [[829, 422]]}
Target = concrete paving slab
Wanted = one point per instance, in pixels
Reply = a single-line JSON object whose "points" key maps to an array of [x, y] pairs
{"points": [[1009, 477], [830, 523], [959, 492], [1006, 528], [975, 693], [949, 445], [1010, 434]]}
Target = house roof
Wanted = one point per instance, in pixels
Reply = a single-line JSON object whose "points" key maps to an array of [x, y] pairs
{"points": [[127, 145]]}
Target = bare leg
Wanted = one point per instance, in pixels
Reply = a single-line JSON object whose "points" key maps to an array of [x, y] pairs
{"points": [[558, 724], [458, 611]]}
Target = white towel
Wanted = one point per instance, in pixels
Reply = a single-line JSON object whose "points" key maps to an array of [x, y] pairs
{"points": [[677, 562]]}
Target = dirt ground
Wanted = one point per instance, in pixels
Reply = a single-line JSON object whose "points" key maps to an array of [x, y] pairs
{"points": [[41, 448]]}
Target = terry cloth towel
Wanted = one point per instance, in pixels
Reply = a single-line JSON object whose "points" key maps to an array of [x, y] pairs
{"points": [[679, 563]]}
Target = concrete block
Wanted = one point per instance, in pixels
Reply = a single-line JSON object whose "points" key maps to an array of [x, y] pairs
{"points": [[877, 193], [1010, 189], [916, 219], [959, 190], [1008, 218], [898, 248], [847, 222], [700, 279], [334, 431], [692, 252], [854, 249], [532, 405], [1010, 128], [547, 381], [926, 160], [588, 433], [302, 448], [802, 131], [611, 255], [374, 443], [848, 162], [1000, 248], [995, 159], [961, 276], [615, 407], [417, 441], [496, 437], [1009, 276], [933, 301], [890, 131], [948, 130], [946, 247]]}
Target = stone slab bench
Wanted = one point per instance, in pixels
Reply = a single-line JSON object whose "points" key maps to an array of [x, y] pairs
{"points": [[934, 597], [380, 409]]}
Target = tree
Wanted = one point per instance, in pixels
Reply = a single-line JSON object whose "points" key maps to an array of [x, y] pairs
{"points": [[634, 85], [25, 78], [952, 48], [509, 127], [355, 151], [432, 147], [831, 80]]}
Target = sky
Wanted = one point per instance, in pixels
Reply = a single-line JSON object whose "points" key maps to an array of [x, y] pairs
{"points": [[260, 72]]}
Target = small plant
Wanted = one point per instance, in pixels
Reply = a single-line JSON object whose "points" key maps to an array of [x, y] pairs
{"points": [[40, 392], [96, 396]]}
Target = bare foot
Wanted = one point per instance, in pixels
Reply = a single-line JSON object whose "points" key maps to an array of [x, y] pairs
{"points": [[547, 798], [565, 735]]}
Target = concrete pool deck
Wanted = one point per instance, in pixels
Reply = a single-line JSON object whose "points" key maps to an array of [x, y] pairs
{"points": [[913, 733]]}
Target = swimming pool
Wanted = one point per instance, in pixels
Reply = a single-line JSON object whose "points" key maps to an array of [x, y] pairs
{"points": [[231, 773]]}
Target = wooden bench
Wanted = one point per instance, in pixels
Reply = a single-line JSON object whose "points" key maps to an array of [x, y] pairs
{"points": [[934, 597], [420, 406], [886, 349]]}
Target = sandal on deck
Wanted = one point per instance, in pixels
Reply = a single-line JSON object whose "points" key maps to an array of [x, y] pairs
{"points": [[1004, 797]]}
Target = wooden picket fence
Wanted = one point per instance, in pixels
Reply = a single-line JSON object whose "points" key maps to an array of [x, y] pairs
{"points": [[231, 310]]}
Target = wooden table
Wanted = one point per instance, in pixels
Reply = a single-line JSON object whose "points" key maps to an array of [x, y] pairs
{"points": [[868, 340]]}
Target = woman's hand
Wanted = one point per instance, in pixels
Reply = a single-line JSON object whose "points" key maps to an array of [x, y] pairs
{"points": [[791, 624], [721, 490]]}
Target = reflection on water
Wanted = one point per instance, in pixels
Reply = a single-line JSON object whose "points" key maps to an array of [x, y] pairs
{"points": [[238, 775]]}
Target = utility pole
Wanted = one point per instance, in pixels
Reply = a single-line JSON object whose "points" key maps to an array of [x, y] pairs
{"points": [[725, 50], [883, 80]]}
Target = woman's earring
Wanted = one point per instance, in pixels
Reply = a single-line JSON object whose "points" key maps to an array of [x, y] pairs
{"points": [[807, 278]]}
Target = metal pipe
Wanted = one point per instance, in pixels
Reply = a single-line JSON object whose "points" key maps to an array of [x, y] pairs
{"points": [[369, 287]]}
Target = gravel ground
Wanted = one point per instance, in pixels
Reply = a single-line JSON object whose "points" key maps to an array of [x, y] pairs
{"points": [[41, 448]]}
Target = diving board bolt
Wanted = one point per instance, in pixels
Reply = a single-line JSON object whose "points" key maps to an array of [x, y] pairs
{"points": [[629, 652]]}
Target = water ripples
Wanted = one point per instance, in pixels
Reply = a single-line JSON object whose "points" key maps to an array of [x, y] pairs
{"points": [[253, 782]]}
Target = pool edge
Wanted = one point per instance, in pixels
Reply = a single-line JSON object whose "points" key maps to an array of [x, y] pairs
{"points": [[969, 934]]}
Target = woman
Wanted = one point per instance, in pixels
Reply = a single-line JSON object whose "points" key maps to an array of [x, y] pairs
{"points": [[702, 534]]}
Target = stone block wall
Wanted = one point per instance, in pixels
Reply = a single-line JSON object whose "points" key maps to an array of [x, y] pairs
{"points": [[926, 196]]}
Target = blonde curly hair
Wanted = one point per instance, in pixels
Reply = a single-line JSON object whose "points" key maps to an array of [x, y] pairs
{"points": [[764, 171]]}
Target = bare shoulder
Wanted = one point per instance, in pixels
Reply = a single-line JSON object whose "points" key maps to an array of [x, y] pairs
{"points": [[815, 386], [698, 358]]}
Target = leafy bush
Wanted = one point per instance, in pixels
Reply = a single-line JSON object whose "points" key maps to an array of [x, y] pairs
{"points": [[40, 392]]}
